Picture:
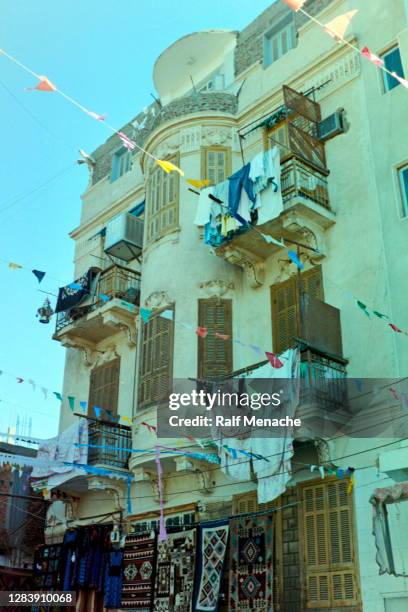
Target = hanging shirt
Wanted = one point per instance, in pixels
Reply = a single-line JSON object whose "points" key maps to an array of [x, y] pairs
{"points": [[203, 213], [238, 181]]}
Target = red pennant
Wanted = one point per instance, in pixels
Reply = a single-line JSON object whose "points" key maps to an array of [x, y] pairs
{"points": [[151, 428], [274, 360], [395, 328], [202, 332], [222, 336], [394, 393], [372, 57], [44, 84]]}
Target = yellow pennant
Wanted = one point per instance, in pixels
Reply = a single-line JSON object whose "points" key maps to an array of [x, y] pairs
{"points": [[337, 28], [350, 485], [169, 166], [14, 266], [199, 184], [127, 420]]}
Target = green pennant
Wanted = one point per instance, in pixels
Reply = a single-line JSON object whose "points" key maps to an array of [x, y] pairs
{"points": [[58, 395], [71, 402], [379, 314], [363, 308]]}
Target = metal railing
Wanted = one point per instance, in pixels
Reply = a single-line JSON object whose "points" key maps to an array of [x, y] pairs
{"points": [[114, 282], [323, 381], [299, 179], [118, 439]]}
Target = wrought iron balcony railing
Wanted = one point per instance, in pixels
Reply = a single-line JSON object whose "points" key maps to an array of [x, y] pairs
{"points": [[300, 179], [114, 282], [117, 439]]}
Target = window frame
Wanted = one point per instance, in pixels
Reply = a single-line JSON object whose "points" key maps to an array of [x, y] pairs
{"points": [[106, 410], [116, 167], [204, 161], [384, 76], [403, 193], [275, 33], [202, 343], [157, 185]]}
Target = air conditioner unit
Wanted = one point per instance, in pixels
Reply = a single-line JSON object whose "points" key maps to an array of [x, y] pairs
{"points": [[124, 237], [331, 126]]}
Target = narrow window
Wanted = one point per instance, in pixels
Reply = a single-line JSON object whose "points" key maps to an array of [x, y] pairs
{"points": [[162, 202], [216, 164], [104, 389], [121, 163], [215, 354], [403, 181], [393, 63]]}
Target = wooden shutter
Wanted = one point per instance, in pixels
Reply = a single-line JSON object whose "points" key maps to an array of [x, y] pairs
{"points": [[216, 164], [328, 544], [104, 388], [245, 503], [156, 362], [215, 354], [285, 306]]}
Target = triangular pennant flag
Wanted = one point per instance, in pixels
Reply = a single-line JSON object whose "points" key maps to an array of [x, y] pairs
{"points": [[271, 240], [145, 313], [103, 297], [372, 57], [167, 314], [75, 286], [71, 402], [199, 184], [127, 142], [45, 392], [202, 332], [337, 27], [363, 307], [20, 380], [95, 115], [97, 411], [340, 473], [222, 336], [83, 406], [44, 84], [38, 274], [274, 360], [350, 485], [295, 259], [14, 266], [379, 314], [321, 470], [58, 395], [403, 82], [394, 393], [32, 383], [395, 328], [127, 420], [295, 5], [168, 166]]}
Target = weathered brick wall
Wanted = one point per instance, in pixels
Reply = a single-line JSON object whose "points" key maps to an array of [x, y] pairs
{"points": [[249, 49]]}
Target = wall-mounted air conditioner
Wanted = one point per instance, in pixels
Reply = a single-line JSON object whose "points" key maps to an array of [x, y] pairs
{"points": [[331, 126], [124, 237]]}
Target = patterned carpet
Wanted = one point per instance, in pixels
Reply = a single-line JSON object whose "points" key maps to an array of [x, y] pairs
{"points": [[175, 572], [138, 574], [211, 547], [251, 570]]}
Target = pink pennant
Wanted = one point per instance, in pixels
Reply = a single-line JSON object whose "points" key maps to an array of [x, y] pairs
{"points": [[403, 82], [372, 57], [395, 328], [127, 142], [295, 5], [44, 84], [394, 393], [202, 332], [222, 336], [337, 27], [95, 115], [151, 428], [274, 360]]}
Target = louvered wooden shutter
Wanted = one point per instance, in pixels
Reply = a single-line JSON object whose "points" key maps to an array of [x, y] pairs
{"points": [[104, 388], [245, 503], [285, 307], [216, 164], [328, 546], [156, 363], [215, 354]]}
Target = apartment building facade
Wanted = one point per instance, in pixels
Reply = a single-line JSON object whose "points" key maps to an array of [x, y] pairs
{"points": [[339, 124]]}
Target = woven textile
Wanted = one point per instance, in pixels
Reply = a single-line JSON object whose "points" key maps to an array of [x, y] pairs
{"points": [[138, 572], [251, 570], [211, 547], [175, 572]]}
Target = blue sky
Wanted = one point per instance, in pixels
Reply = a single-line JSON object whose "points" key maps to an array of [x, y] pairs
{"points": [[102, 54]]}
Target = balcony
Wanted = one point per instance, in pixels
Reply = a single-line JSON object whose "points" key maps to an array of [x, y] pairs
{"points": [[306, 216], [118, 439], [110, 306]]}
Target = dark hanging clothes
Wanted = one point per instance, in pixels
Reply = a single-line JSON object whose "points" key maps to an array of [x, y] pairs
{"points": [[238, 181], [68, 558], [113, 579], [74, 293]]}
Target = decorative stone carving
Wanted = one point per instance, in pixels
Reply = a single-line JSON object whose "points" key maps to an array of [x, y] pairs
{"points": [[216, 288], [109, 354], [253, 267], [89, 353], [216, 136], [158, 299], [190, 139]]}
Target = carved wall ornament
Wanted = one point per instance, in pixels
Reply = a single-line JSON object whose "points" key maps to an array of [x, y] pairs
{"points": [[216, 288], [158, 299]]}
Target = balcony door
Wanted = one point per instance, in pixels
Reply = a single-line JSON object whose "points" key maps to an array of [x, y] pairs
{"points": [[104, 390]]}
